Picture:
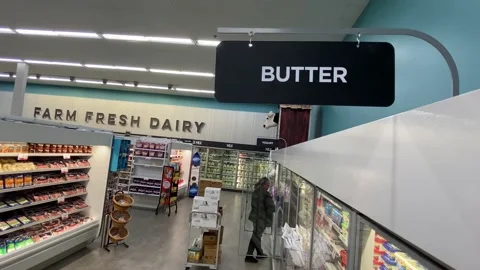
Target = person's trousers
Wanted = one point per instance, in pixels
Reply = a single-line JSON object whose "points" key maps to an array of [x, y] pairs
{"points": [[256, 240]]}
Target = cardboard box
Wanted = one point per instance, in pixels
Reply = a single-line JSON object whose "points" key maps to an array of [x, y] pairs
{"points": [[210, 237], [204, 220], [212, 193], [211, 251], [202, 204], [211, 260]]}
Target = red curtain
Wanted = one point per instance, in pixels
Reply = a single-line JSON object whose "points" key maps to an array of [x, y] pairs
{"points": [[294, 125]]}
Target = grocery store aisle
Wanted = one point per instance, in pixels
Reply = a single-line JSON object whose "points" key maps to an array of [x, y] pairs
{"points": [[160, 242]]}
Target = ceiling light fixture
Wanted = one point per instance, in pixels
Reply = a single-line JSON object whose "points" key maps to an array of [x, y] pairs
{"points": [[35, 32], [3, 75], [115, 83], [130, 85], [195, 90], [153, 86], [171, 40], [57, 33], [43, 62], [5, 30], [32, 77], [88, 81], [57, 79], [179, 72], [77, 34], [116, 67], [10, 60], [209, 43]]}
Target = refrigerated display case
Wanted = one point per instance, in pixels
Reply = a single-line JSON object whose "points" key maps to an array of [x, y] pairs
{"points": [[315, 231], [234, 168]]}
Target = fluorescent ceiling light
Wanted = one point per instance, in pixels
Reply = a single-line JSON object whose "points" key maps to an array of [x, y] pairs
{"points": [[211, 43], [149, 39], [77, 34], [58, 79], [125, 37], [195, 90], [3, 75], [42, 62], [88, 81], [116, 67], [129, 85], [152, 86], [32, 77], [10, 60], [114, 83], [185, 41], [179, 72], [57, 33], [5, 30], [35, 32]]}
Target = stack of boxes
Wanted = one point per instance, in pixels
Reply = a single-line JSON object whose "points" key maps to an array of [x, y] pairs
{"points": [[206, 183], [204, 214]]}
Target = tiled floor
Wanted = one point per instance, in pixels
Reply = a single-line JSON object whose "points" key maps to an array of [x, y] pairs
{"points": [[160, 242]]}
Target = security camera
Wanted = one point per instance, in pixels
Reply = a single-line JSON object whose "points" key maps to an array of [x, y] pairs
{"points": [[170, 86], [135, 83]]}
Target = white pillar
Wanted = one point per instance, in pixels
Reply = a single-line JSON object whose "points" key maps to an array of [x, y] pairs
{"points": [[19, 90]]}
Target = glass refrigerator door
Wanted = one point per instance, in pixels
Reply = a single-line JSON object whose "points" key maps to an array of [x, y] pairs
{"points": [[214, 163], [203, 161], [332, 222], [378, 250], [229, 169]]}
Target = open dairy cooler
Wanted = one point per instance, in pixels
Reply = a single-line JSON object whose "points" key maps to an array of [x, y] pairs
{"points": [[315, 231]]}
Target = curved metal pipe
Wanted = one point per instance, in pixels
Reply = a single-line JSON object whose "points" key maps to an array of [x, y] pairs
{"points": [[364, 31]]}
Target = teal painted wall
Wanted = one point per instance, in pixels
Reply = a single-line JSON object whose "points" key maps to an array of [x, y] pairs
{"points": [[422, 76], [139, 97]]}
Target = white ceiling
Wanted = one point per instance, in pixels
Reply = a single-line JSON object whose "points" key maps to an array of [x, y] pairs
{"points": [[196, 19]]}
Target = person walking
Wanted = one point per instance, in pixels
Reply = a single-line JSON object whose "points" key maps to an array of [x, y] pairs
{"points": [[261, 216]]}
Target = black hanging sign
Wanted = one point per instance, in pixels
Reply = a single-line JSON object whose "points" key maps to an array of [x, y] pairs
{"points": [[267, 143], [316, 73]]}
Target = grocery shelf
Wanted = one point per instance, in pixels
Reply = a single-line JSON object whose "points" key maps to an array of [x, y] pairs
{"points": [[154, 150], [146, 177], [31, 224], [144, 194], [7, 190], [44, 170], [147, 165], [46, 154], [8, 209], [147, 157], [141, 185]]}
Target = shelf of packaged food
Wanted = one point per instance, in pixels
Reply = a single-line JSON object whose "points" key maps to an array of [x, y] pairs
{"points": [[44, 170], [7, 190], [144, 194], [29, 251], [42, 221], [147, 157], [154, 150], [25, 155], [334, 226], [141, 185], [8, 209], [147, 165], [146, 177]]}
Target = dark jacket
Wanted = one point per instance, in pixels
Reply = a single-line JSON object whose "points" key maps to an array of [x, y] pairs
{"points": [[263, 208]]}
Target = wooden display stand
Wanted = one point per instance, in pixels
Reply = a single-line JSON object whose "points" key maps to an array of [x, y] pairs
{"points": [[119, 218]]}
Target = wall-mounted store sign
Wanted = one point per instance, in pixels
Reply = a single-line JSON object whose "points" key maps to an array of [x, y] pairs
{"points": [[317, 73], [113, 119], [267, 143]]}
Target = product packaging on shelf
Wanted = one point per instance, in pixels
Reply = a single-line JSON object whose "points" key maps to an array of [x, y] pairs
{"points": [[204, 220], [202, 204], [212, 193]]}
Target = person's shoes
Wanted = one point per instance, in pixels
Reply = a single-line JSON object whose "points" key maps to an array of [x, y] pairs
{"points": [[251, 259], [261, 256]]}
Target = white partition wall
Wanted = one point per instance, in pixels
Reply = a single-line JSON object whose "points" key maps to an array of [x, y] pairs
{"points": [[416, 173]]}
